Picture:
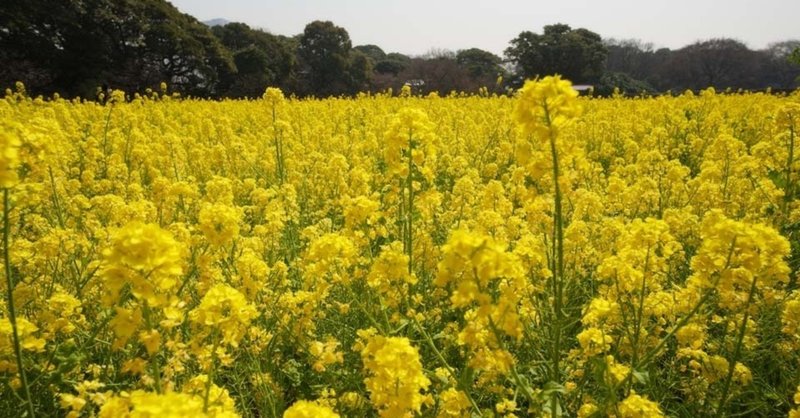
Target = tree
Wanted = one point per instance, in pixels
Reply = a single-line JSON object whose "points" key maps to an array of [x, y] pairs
{"points": [[441, 75], [32, 42], [435, 53], [782, 66], [396, 56], [176, 48], [795, 56], [393, 64], [324, 53], [74, 47], [360, 72], [629, 56], [479, 63], [576, 54], [720, 63], [235, 35], [261, 59], [373, 52], [623, 83]]}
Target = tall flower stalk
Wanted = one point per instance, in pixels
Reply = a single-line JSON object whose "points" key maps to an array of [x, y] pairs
{"points": [[9, 160], [274, 97], [543, 108], [789, 118], [407, 149]]}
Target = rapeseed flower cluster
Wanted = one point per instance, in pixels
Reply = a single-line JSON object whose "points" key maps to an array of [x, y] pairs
{"points": [[467, 255], [395, 381], [144, 259]]}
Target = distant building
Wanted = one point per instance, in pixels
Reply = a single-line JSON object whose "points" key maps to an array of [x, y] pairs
{"points": [[583, 89], [415, 83]]}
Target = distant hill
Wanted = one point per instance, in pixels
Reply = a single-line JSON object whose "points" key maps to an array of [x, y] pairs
{"points": [[216, 22]]}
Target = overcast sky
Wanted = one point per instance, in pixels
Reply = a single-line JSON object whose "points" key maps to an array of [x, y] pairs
{"points": [[415, 26]]}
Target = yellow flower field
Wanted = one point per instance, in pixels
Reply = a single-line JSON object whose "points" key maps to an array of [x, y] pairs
{"points": [[470, 255]]}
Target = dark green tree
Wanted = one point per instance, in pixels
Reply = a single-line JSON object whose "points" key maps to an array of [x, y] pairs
{"points": [[373, 52], [394, 63], [479, 63], [794, 58], [360, 72], [576, 54], [175, 48], [622, 82], [73, 47], [235, 35], [324, 54], [261, 59], [33, 39]]}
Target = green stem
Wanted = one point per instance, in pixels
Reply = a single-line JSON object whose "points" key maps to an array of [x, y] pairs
{"points": [[521, 384], [638, 319], [105, 140], [211, 372], [558, 264], [447, 366], [706, 296], [410, 213], [155, 367], [383, 328], [789, 184], [12, 316], [737, 351], [56, 203], [278, 146]]}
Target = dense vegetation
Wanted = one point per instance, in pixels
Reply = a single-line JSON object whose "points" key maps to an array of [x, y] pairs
{"points": [[401, 256], [75, 47]]}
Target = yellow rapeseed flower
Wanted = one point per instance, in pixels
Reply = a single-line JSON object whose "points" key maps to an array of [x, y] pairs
{"points": [[9, 156], [306, 409], [395, 380], [226, 311], [145, 257], [545, 106], [635, 406]]}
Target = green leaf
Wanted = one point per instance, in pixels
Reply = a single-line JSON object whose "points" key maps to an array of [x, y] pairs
{"points": [[552, 387], [641, 377]]}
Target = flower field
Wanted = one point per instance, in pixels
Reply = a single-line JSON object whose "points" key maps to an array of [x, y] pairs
{"points": [[536, 255]]}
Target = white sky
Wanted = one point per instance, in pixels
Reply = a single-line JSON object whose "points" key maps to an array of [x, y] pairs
{"points": [[415, 26]]}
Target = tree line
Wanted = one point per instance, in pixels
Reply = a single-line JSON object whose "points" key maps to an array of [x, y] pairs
{"points": [[75, 47]]}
